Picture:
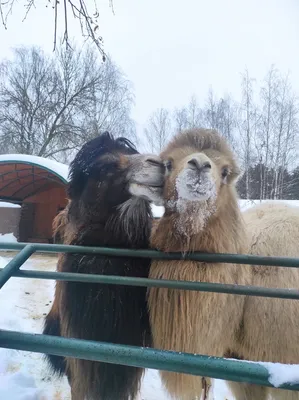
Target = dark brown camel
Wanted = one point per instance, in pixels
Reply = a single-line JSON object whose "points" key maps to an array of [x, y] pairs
{"points": [[103, 210]]}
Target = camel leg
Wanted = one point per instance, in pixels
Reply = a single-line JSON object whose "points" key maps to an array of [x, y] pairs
{"points": [[279, 394], [245, 391]]}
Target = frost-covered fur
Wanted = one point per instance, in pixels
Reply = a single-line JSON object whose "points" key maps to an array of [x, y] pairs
{"points": [[252, 328]]}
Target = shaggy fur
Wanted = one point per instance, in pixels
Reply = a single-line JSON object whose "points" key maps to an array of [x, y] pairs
{"points": [[181, 320], [61, 229], [251, 328], [269, 330], [52, 327], [102, 212], [59, 224]]}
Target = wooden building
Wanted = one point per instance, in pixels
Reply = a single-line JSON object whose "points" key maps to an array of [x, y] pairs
{"points": [[38, 185]]}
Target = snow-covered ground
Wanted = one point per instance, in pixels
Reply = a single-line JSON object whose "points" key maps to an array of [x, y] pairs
{"points": [[7, 237], [24, 375]]}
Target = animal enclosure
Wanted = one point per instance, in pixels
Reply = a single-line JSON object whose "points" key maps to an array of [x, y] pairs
{"points": [[219, 368], [39, 190]]}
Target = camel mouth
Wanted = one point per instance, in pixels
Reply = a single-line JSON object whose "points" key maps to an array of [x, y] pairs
{"points": [[146, 185], [196, 190], [193, 188], [151, 193]]}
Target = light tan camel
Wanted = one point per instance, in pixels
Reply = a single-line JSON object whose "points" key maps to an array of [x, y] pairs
{"points": [[269, 326], [202, 214]]}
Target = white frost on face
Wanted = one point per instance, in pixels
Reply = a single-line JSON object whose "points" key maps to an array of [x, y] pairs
{"points": [[192, 186], [196, 201]]}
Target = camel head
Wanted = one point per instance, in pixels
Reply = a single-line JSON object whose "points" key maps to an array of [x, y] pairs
{"points": [[200, 173], [108, 171]]}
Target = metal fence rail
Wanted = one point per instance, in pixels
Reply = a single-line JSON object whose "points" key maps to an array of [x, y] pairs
{"points": [[213, 367]]}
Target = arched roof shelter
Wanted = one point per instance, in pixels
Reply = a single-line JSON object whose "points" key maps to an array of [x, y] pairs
{"points": [[38, 185], [22, 176]]}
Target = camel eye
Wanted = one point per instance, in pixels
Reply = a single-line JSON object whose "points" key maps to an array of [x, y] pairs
{"points": [[224, 172], [168, 165]]}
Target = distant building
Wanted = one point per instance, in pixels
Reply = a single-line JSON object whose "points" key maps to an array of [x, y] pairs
{"points": [[38, 186]]}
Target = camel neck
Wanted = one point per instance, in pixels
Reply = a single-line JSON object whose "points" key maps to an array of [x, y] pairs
{"points": [[223, 232]]}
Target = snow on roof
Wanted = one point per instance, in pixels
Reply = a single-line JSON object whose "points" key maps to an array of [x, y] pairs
{"points": [[9, 205], [59, 169]]}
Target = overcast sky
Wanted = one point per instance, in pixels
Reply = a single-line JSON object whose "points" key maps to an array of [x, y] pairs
{"points": [[171, 49]]}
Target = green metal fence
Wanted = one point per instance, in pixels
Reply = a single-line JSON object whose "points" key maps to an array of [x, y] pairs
{"points": [[213, 367]]}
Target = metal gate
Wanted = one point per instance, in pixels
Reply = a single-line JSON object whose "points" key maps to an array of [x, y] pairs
{"points": [[214, 367]]}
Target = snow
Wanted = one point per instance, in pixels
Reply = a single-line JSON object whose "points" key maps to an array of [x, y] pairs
{"points": [[5, 204], [7, 237], [25, 375], [158, 211], [280, 374], [18, 386], [60, 169]]}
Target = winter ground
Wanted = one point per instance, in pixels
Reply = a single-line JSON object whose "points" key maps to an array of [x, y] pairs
{"points": [[24, 303], [24, 375]]}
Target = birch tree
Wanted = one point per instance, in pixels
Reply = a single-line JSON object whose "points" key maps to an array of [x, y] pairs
{"points": [[247, 125], [158, 130]]}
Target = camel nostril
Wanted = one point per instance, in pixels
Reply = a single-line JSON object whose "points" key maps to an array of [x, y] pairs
{"points": [[195, 164], [207, 165]]}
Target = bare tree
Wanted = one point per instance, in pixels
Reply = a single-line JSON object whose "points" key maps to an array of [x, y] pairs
{"points": [[264, 139], [211, 112], [158, 130], [221, 115], [180, 119], [50, 105], [188, 117], [87, 16], [263, 129], [247, 125], [285, 133]]}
